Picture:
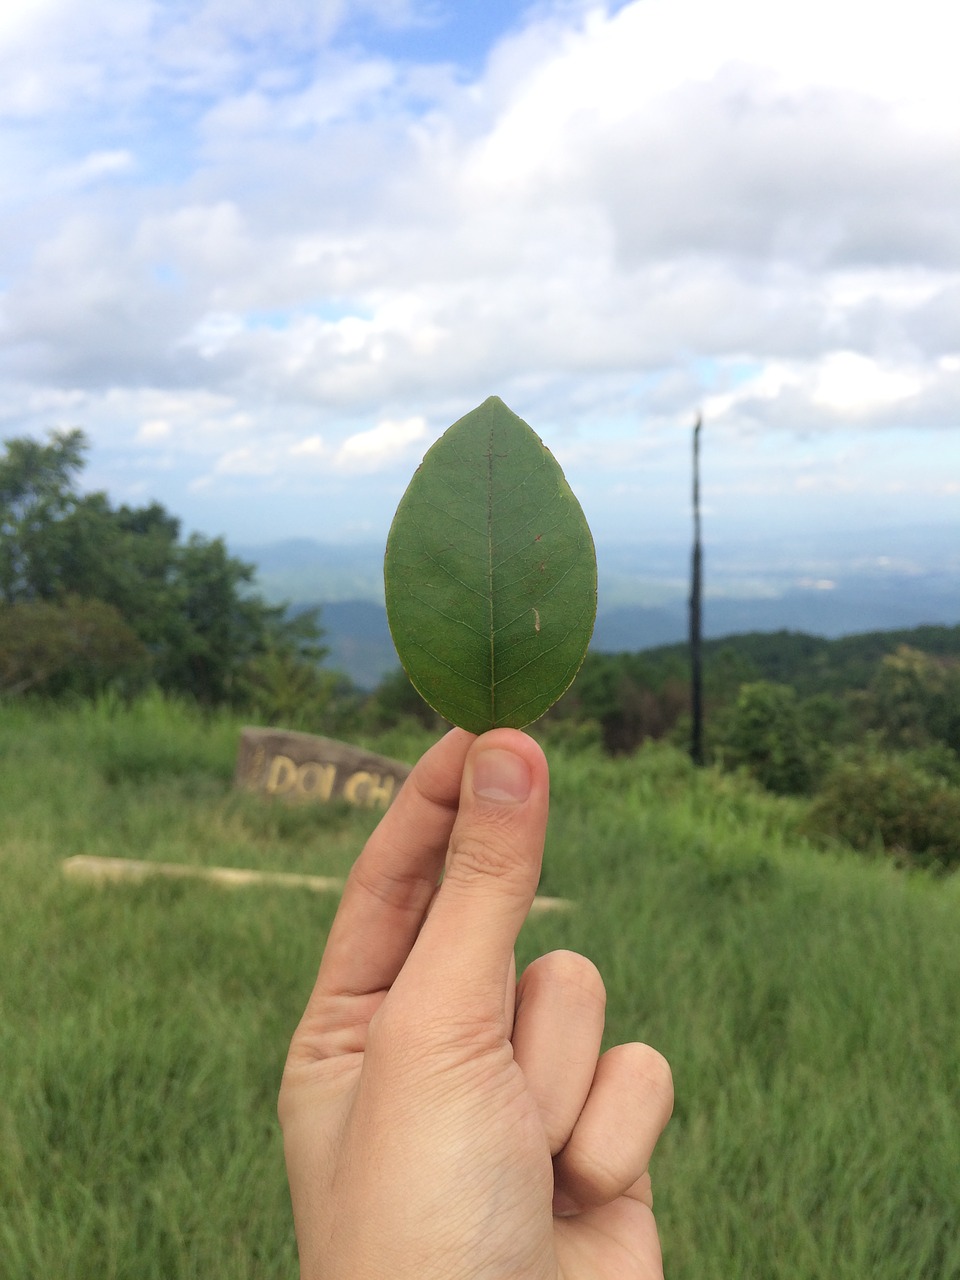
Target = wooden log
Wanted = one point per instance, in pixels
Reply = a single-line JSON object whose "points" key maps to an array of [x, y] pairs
{"points": [[128, 871], [303, 767]]}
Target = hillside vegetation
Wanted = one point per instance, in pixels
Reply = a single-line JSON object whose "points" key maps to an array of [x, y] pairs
{"points": [[808, 1000], [96, 599]]}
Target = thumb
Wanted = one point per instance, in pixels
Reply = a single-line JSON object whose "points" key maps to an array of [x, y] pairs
{"points": [[464, 952]]}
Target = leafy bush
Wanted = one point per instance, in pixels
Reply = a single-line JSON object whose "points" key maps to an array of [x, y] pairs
{"points": [[280, 687], [894, 804], [71, 645], [914, 699], [395, 701], [766, 734], [630, 699]]}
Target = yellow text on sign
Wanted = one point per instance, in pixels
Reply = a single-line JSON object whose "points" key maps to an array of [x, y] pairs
{"points": [[315, 781]]}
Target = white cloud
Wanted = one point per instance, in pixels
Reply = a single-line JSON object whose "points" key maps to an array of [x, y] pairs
{"points": [[311, 447], [854, 384], [93, 167], [153, 431], [749, 208], [381, 446], [248, 460], [214, 333]]}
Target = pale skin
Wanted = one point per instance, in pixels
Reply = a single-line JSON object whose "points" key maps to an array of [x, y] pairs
{"points": [[441, 1119]]}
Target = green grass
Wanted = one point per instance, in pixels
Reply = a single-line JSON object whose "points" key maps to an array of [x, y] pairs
{"points": [[809, 1003]]}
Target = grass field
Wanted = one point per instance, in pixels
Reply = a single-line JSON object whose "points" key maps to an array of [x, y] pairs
{"points": [[809, 1003]]}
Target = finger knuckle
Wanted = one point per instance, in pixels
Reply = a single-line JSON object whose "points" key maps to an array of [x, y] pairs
{"points": [[482, 854], [596, 1177], [569, 967], [573, 974]]}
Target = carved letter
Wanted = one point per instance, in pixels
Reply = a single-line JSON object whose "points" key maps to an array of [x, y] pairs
{"points": [[315, 779], [381, 791], [353, 787], [368, 789], [282, 775]]}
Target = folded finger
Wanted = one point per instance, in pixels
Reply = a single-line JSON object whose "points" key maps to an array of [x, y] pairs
{"points": [[607, 1155], [557, 1031]]}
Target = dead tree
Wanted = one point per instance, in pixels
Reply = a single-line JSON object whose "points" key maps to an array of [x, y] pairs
{"points": [[696, 612]]}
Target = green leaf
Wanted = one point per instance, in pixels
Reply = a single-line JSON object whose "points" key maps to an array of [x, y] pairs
{"points": [[490, 574]]}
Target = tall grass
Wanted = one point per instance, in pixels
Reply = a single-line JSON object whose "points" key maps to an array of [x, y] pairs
{"points": [[809, 1003]]}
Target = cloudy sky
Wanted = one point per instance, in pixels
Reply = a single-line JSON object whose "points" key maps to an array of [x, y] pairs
{"points": [[265, 251]]}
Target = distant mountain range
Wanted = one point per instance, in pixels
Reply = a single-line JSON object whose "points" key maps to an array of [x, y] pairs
{"points": [[830, 590]]}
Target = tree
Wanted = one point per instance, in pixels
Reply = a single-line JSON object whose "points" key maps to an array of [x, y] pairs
{"points": [[221, 628], [396, 700], [36, 494], [628, 697], [190, 604], [765, 733], [282, 688], [914, 699]]}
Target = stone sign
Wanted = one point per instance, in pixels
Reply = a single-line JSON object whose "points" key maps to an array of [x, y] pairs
{"points": [[301, 766]]}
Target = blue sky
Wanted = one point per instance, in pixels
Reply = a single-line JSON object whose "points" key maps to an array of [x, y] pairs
{"points": [[265, 253]]}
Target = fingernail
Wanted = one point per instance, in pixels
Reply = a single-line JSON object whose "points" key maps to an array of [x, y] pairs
{"points": [[501, 777]]}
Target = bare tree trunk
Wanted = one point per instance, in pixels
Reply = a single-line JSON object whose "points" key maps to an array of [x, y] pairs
{"points": [[696, 616]]}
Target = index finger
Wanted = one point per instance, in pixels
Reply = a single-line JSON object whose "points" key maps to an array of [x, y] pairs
{"points": [[392, 882]]}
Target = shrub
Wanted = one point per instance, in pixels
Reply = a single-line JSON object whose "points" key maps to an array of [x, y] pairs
{"points": [[765, 733], [72, 645], [630, 699], [914, 699], [279, 687], [894, 804], [396, 701]]}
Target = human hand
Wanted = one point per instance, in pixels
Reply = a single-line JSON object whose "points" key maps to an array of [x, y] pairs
{"points": [[441, 1120]]}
